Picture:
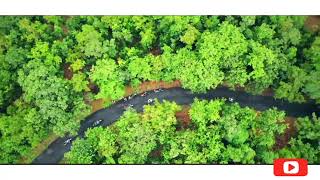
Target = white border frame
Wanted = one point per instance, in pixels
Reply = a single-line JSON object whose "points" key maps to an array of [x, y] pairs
{"points": [[159, 7]]}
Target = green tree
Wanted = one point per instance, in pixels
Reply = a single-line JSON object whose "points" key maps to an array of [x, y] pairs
{"points": [[193, 73], [79, 82], [190, 36], [90, 41], [265, 67], [244, 154], [81, 152], [109, 78], [225, 48], [292, 90], [21, 130]]}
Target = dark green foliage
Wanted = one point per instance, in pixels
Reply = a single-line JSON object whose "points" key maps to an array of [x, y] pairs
{"points": [[21, 129]]}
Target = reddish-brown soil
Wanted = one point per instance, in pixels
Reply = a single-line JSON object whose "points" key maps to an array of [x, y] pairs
{"points": [[240, 88], [183, 118], [268, 92], [68, 74], [97, 105], [151, 85], [282, 141], [65, 29], [156, 153], [313, 23], [156, 51], [93, 87]]}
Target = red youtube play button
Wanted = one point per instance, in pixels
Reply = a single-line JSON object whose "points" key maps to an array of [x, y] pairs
{"points": [[290, 167]]}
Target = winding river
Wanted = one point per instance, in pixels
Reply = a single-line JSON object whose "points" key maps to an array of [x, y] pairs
{"points": [[55, 152]]}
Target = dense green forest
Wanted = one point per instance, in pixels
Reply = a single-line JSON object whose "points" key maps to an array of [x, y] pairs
{"points": [[51, 66], [219, 133]]}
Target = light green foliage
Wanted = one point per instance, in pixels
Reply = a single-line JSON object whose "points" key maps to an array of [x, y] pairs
{"points": [[235, 123], [190, 36], [299, 149], [79, 82], [210, 22], [81, 152], [224, 48], [60, 48], [194, 74], [51, 95], [137, 139], [33, 76], [265, 128], [148, 68], [146, 27], [229, 38], [41, 52], [98, 141], [107, 147], [202, 52], [313, 53], [192, 147], [121, 27], [131, 139], [243, 155], [161, 123], [48, 92], [264, 33], [309, 128], [268, 157], [33, 31], [147, 37], [265, 67], [90, 41], [77, 65], [109, 78], [57, 22], [173, 27], [220, 133], [204, 113], [110, 47], [312, 83], [288, 27], [291, 90], [306, 143], [248, 20]]}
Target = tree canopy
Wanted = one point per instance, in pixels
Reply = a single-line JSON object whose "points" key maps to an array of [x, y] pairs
{"points": [[52, 67]]}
